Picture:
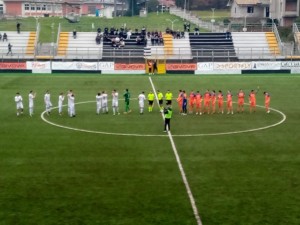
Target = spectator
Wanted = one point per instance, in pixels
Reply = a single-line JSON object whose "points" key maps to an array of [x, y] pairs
{"points": [[98, 39], [0, 36], [182, 34], [128, 34], [113, 43], [228, 35], [4, 37], [143, 32], [9, 49], [112, 31], [160, 40], [154, 67], [117, 41], [105, 31], [18, 27], [138, 39], [188, 26], [196, 31], [156, 40], [152, 38], [178, 34], [74, 34], [122, 43]]}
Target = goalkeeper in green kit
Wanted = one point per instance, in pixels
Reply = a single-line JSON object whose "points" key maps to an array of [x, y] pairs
{"points": [[127, 101]]}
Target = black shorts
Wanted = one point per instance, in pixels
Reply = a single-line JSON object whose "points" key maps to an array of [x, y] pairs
{"points": [[169, 102], [151, 102], [161, 101]]}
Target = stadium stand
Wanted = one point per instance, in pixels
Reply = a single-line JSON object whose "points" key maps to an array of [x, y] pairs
{"points": [[181, 49], [251, 45], [273, 44], [63, 43], [83, 46], [22, 44], [212, 46], [131, 49], [31, 43], [168, 44]]}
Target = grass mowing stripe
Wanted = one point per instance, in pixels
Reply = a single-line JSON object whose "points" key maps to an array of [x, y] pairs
{"points": [[178, 160]]}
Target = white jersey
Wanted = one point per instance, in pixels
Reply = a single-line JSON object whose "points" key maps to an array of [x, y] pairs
{"points": [[72, 105], [104, 100], [47, 99], [72, 100], [31, 98], [99, 100], [141, 99], [115, 99], [19, 101], [69, 96], [61, 99]]}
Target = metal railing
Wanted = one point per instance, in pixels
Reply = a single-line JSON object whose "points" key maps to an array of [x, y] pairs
{"points": [[38, 29], [295, 28], [296, 36], [180, 54], [275, 30]]}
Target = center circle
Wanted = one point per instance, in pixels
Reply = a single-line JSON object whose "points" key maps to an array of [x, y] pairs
{"points": [[283, 118]]}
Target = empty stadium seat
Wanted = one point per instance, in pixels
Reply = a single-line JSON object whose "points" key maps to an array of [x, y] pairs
{"points": [[254, 45], [22, 44], [212, 46]]}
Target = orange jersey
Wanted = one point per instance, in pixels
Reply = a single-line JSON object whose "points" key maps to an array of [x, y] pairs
{"points": [[241, 98], [252, 99], [179, 98], [206, 98], [229, 99], [198, 99], [192, 98], [267, 98], [213, 98], [220, 99]]}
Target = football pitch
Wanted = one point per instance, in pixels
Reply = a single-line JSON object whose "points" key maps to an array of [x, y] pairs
{"points": [[94, 169]]}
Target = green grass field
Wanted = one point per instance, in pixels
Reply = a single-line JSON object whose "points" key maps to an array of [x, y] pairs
{"points": [[56, 176], [152, 22]]}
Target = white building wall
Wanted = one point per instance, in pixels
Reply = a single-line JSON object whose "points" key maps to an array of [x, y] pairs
{"points": [[3, 6], [239, 11]]}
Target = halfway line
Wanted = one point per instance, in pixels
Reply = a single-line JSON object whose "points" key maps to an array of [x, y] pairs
{"points": [[184, 178]]}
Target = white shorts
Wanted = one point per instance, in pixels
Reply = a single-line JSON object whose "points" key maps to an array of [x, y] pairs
{"points": [[104, 104], [19, 105], [141, 104], [115, 104], [48, 104]]}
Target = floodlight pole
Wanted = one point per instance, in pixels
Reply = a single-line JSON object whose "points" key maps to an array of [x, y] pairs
{"points": [[52, 33], [184, 9], [213, 19], [172, 21], [245, 24]]}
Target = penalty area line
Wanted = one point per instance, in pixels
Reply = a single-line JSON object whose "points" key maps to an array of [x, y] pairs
{"points": [[180, 166]]}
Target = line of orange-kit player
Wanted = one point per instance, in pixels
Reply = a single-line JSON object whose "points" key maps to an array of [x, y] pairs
{"points": [[211, 99]]}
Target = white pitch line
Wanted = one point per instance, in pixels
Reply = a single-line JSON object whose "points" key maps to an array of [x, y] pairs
{"points": [[162, 135], [180, 166]]}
